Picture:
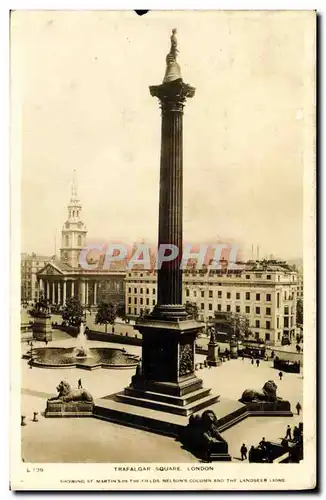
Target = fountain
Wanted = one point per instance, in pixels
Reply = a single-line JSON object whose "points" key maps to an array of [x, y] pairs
{"points": [[80, 355], [81, 350]]}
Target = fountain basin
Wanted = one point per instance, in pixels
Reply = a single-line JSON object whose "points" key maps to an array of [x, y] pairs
{"points": [[97, 357]]}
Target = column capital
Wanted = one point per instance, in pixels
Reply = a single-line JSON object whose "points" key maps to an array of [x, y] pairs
{"points": [[172, 95]]}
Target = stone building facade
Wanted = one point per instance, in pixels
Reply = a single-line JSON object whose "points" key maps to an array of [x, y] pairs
{"points": [[30, 265], [265, 292]]}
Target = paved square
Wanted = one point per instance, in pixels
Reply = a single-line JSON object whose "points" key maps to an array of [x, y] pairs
{"points": [[92, 440]]}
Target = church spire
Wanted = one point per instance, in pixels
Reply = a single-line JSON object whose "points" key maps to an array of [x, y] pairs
{"points": [[74, 195]]}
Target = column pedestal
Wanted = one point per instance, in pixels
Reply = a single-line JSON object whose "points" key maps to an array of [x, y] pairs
{"points": [[212, 355]]}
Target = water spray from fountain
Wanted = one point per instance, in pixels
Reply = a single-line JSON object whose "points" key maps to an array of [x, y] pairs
{"points": [[81, 350]]}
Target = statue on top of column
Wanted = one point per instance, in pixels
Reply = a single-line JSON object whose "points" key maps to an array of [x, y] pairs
{"points": [[172, 72], [174, 44]]}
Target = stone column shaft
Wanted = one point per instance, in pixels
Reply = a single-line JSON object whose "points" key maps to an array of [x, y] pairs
{"points": [[64, 292], [170, 207], [95, 293]]}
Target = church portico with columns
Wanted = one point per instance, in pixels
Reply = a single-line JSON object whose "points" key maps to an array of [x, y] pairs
{"points": [[57, 283], [64, 278]]}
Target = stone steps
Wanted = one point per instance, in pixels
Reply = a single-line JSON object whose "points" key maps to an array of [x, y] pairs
{"points": [[174, 400], [186, 410]]}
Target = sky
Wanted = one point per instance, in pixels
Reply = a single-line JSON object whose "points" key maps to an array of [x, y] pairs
{"points": [[81, 83]]}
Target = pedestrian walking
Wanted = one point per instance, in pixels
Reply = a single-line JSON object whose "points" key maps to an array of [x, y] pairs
{"points": [[296, 434], [243, 451], [242, 357], [280, 375], [80, 386], [251, 453], [252, 361], [298, 407], [257, 362], [288, 434]]}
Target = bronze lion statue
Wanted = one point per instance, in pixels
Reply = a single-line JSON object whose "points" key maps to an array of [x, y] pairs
{"points": [[67, 395], [268, 393]]}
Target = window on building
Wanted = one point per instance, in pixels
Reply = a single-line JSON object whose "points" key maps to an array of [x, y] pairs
{"points": [[135, 300], [248, 276], [195, 293], [279, 336], [277, 322], [256, 335], [286, 310], [219, 294], [257, 323], [237, 296], [210, 294], [278, 300], [247, 295], [129, 310], [268, 297], [202, 293], [135, 290], [135, 311], [219, 307], [258, 275], [268, 311], [202, 305], [257, 296], [147, 302], [210, 307], [228, 308], [141, 290], [67, 241], [267, 336], [153, 302], [268, 325], [268, 276], [129, 300], [129, 290], [147, 291], [248, 309], [228, 295], [141, 301], [286, 322], [187, 292], [257, 310], [237, 309]]}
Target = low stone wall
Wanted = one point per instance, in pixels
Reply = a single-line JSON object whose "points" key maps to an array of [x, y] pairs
{"points": [[101, 336]]}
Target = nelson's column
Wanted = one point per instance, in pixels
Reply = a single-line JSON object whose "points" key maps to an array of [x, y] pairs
{"points": [[166, 380]]}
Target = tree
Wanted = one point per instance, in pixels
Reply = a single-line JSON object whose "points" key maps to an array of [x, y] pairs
{"points": [[73, 312], [121, 313], [106, 314], [234, 324], [192, 309], [145, 312], [299, 312]]}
